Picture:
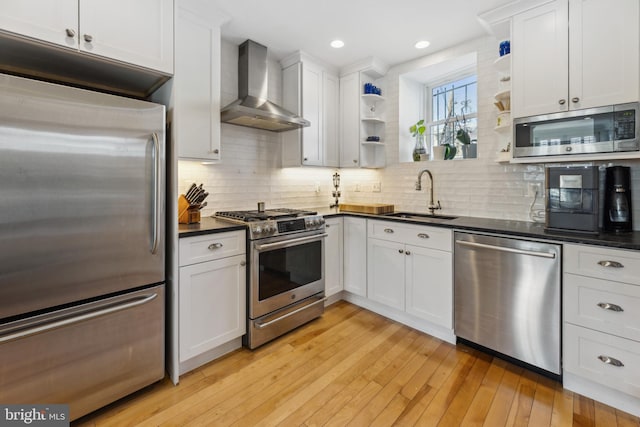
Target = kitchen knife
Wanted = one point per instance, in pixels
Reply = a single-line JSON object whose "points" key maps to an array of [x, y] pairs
{"points": [[190, 190], [203, 205], [201, 197]]}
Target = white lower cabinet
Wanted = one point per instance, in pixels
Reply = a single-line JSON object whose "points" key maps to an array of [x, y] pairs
{"points": [[355, 255], [386, 272], [212, 296], [601, 340], [429, 285], [333, 251], [410, 269]]}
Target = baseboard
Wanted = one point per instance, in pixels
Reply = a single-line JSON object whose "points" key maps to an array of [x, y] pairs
{"points": [[208, 356], [601, 393]]}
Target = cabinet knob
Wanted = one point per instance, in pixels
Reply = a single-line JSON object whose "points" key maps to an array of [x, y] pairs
{"points": [[215, 246], [327, 226], [611, 264], [355, 161], [400, 251], [576, 99], [216, 151], [88, 38], [611, 361], [243, 263], [70, 32], [562, 101], [305, 159], [407, 252]]}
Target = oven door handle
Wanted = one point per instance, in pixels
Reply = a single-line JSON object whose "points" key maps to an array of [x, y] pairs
{"points": [[271, 322], [289, 242]]}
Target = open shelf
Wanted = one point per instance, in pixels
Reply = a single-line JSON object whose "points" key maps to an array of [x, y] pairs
{"points": [[372, 120], [372, 97]]}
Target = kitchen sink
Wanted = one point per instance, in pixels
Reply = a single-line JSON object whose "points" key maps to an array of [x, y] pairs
{"points": [[420, 216]]}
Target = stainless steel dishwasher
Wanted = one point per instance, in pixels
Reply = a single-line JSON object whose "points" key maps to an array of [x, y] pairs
{"points": [[507, 297]]}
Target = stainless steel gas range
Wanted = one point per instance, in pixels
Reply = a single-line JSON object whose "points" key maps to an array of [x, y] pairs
{"points": [[286, 270]]}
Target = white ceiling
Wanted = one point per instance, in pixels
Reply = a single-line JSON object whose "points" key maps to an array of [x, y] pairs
{"points": [[386, 29]]}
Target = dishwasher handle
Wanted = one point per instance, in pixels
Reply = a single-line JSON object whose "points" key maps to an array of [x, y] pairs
{"points": [[549, 255]]}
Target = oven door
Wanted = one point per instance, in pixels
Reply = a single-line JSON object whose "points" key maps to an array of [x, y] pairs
{"points": [[285, 270]]}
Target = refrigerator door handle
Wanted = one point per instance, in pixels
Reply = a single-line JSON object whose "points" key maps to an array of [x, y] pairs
{"points": [[156, 194], [66, 320]]}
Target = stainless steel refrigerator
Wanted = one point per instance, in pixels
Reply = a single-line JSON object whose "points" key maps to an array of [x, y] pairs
{"points": [[82, 245]]}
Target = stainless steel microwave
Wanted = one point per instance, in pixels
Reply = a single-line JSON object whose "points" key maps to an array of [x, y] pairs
{"points": [[607, 129]]}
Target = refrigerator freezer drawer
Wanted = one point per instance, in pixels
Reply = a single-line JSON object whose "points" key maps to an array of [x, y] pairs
{"points": [[85, 356]]}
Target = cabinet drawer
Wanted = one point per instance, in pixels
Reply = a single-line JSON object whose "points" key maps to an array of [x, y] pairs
{"points": [[595, 356], [417, 235], [211, 246], [610, 264], [606, 306]]}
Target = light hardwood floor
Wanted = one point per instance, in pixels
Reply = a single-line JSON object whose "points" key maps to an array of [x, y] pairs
{"points": [[353, 367]]}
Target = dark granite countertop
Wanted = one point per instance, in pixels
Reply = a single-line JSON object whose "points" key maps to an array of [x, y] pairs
{"points": [[512, 228], [464, 223], [207, 225]]}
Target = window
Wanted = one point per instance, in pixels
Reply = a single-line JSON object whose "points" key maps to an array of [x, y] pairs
{"points": [[453, 106]]}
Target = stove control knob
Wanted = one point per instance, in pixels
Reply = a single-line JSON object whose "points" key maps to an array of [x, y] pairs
{"points": [[257, 230], [269, 229], [321, 221]]}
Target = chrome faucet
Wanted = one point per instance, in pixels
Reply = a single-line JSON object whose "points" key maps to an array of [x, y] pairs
{"points": [[432, 206]]}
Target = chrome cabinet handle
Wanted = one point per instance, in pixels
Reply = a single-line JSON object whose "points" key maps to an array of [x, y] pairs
{"points": [[407, 252], [215, 246], [612, 264], [155, 238], [70, 32], [216, 151], [271, 322], [610, 361], [562, 101], [423, 235], [611, 307], [576, 99], [550, 255], [327, 226], [82, 316], [400, 251], [389, 230], [88, 38], [355, 161], [243, 263]]}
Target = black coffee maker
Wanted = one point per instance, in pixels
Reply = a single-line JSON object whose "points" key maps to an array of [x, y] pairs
{"points": [[617, 200]]}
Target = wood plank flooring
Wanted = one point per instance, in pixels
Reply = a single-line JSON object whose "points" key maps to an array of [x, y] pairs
{"points": [[354, 367]]}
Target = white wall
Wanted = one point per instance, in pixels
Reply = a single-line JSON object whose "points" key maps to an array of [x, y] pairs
{"points": [[250, 170]]}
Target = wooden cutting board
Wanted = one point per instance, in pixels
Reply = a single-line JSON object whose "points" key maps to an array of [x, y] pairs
{"points": [[369, 208]]}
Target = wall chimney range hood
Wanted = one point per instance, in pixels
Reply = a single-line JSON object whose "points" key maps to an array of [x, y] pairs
{"points": [[252, 109]]}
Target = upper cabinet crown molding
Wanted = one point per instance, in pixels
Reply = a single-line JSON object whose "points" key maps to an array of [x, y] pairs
{"points": [[497, 21], [301, 56], [204, 10], [373, 66]]}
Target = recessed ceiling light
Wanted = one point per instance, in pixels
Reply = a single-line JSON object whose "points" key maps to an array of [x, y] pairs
{"points": [[422, 44], [337, 44]]}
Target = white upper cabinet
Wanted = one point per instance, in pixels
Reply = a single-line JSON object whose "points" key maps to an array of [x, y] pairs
{"points": [[51, 21], [575, 54], [350, 120], [136, 32], [604, 47], [196, 85], [540, 58], [310, 90]]}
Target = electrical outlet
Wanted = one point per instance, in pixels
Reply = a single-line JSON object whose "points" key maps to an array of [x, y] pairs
{"points": [[318, 189], [534, 187], [357, 187], [377, 187]]}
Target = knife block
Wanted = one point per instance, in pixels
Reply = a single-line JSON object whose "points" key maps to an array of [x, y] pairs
{"points": [[186, 213]]}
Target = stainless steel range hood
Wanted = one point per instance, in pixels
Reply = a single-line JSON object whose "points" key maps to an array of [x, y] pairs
{"points": [[252, 109]]}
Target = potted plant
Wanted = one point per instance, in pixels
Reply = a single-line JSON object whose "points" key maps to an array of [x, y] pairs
{"points": [[420, 149]]}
